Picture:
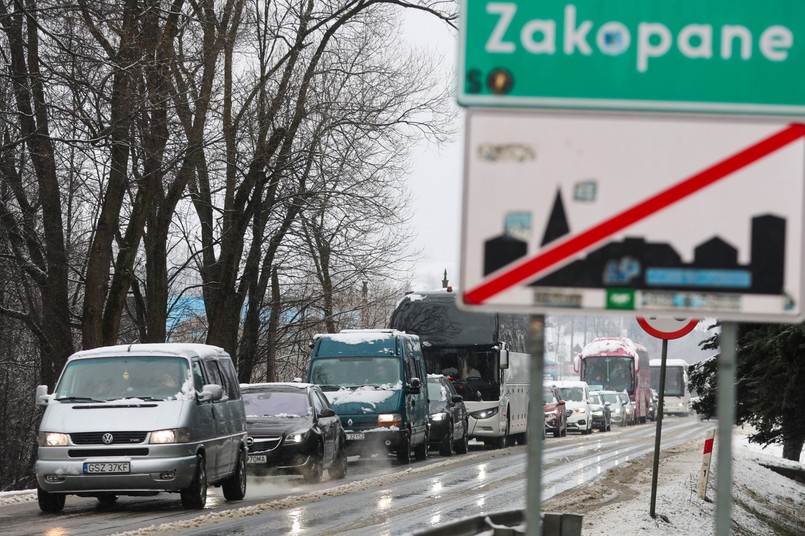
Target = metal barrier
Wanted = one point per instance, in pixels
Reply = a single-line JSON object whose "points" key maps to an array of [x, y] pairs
{"points": [[507, 523]]}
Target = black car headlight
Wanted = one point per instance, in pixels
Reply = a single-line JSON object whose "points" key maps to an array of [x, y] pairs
{"points": [[484, 413], [297, 437], [437, 417]]}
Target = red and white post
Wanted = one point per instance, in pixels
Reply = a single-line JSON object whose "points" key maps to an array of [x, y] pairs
{"points": [[705, 471]]}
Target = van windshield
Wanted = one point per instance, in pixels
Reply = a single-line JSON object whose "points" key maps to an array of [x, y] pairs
{"points": [[334, 373], [112, 378]]}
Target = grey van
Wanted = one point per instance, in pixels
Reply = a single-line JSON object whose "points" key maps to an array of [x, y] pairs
{"points": [[139, 419], [375, 380]]}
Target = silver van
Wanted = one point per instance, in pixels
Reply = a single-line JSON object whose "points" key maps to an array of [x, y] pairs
{"points": [[139, 419]]}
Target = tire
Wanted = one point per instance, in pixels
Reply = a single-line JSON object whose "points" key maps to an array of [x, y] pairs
{"points": [[50, 503], [609, 425], [404, 452], [463, 445], [421, 450], [564, 431], [338, 469], [234, 487], [312, 475], [447, 448], [107, 499], [503, 441], [558, 432], [194, 497]]}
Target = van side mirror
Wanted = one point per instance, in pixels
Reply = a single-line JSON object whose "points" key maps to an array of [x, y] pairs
{"points": [[42, 397], [211, 392], [415, 387]]}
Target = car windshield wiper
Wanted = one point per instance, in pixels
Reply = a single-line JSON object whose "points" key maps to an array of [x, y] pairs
{"points": [[327, 387], [76, 399]]}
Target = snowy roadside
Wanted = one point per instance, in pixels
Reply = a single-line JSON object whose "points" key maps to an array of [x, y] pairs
{"points": [[764, 502]]}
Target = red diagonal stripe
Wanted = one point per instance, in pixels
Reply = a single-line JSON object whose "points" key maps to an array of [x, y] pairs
{"points": [[549, 257]]}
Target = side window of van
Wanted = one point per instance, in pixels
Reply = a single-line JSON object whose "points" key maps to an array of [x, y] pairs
{"points": [[410, 368], [214, 374], [232, 386], [198, 376]]}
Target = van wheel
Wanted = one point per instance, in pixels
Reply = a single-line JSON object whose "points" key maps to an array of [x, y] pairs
{"points": [[50, 503], [312, 475], [194, 496], [404, 451], [421, 451], [503, 441], [447, 448], [339, 468], [234, 487]]}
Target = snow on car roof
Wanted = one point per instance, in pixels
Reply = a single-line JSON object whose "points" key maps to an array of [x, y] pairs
{"points": [[359, 336], [264, 385], [168, 348]]}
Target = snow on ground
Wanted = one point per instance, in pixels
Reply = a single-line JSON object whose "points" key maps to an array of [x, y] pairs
{"points": [[763, 501]]}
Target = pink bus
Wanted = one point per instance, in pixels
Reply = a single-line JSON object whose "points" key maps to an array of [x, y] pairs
{"points": [[617, 364]]}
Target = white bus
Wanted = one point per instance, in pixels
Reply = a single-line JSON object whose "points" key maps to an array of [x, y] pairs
{"points": [[677, 392], [483, 355]]}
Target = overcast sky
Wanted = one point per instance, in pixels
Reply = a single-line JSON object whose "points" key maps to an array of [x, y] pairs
{"points": [[436, 181]]}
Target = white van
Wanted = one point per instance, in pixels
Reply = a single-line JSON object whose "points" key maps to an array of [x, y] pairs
{"points": [[576, 395], [139, 419]]}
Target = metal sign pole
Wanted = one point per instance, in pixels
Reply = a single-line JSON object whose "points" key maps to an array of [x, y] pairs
{"points": [[658, 434], [725, 412], [536, 425]]}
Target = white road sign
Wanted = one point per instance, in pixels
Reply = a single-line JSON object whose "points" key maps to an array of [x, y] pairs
{"points": [[659, 216]]}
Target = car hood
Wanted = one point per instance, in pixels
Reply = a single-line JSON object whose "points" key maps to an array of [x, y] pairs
{"points": [[276, 425], [365, 400]]}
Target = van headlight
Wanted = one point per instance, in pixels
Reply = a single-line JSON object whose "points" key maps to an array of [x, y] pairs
{"points": [[164, 437], [53, 439], [297, 437], [484, 413]]}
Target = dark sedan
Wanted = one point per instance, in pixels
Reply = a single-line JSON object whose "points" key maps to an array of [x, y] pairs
{"points": [[292, 429], [448, 417]]}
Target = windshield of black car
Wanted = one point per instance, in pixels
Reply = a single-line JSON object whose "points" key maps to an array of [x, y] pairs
{"points": [[438, 391], [101, 379], [275, 403]]}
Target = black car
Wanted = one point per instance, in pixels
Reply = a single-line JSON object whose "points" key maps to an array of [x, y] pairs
{"points": [[447, 416], [291, 428], [601, 412]]}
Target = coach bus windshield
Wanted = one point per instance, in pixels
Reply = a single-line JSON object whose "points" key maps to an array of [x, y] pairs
{"points": [[612, 373], [674, 380]]}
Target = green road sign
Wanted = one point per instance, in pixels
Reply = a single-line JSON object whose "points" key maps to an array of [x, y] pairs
{"points": [[694, 56]]}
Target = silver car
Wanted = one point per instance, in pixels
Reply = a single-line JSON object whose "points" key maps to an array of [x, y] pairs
{"points": [[139, 419]]}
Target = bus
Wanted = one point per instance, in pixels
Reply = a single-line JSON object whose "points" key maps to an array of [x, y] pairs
{"points": [[676, 399], [482, 354], [617, 364]]}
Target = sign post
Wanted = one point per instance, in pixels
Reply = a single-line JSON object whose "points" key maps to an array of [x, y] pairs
{"points": [[665, 329]]}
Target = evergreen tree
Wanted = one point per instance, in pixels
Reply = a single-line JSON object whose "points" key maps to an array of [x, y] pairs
{"points": [[770, 377]]}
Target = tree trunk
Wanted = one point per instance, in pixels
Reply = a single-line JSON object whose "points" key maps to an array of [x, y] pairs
{"points": [[792, 448]]}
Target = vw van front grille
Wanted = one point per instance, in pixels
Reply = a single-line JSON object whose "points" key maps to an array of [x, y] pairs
{"points": [[117, 438], [94, 453]]}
